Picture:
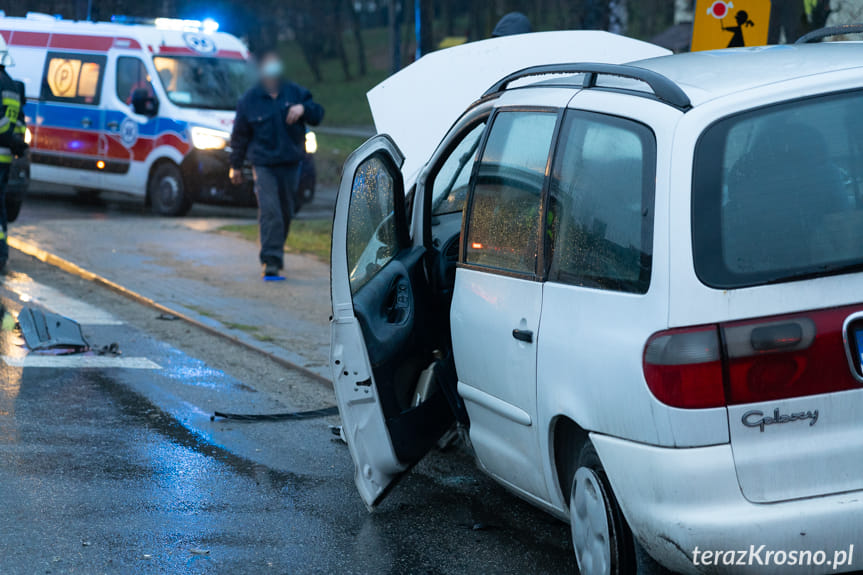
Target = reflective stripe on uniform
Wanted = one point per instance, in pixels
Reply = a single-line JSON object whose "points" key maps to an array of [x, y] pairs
{"points": [[4, 124], [5, 155], [2, 235]]}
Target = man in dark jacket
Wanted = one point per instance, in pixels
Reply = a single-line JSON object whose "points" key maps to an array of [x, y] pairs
{"points": [[270, 130]]}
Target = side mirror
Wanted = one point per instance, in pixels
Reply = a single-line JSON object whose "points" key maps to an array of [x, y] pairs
{"points": [[144, 103]]}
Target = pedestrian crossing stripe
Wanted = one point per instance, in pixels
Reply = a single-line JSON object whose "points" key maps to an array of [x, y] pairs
{"points": [[30, 291], [79, 361]]}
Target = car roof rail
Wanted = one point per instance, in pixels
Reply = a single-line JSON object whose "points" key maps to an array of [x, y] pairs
{"points": [[664, 89], [822, 33]]}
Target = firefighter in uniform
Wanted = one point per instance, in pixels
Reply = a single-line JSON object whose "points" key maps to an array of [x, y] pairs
{"points": [[12, 137]]}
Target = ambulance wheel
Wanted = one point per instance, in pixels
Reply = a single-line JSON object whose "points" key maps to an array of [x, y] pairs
{"points": [[167, 192], [87, 196], [13, 208], [602, 540]]}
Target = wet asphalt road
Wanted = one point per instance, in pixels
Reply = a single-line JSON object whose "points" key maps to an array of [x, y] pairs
{"points": [[120, 470]]}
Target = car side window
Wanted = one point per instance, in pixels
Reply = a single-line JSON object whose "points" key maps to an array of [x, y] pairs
{"points": [[131, 75], [450, 186], [73, 78], [372, 240], [600, 222], [503, 224]]}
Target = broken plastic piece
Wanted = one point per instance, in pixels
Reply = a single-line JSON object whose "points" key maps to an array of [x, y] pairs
{"points": [[46, 330]]}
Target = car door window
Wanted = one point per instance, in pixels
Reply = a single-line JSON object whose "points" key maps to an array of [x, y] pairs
{"points": [[372, 239], [600, 230], [131, 75], [503, 225], [73, 78], [450, 186]]}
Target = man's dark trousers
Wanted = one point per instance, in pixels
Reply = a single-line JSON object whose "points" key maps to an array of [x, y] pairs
{"points": [[275, 187], [4, 180]]}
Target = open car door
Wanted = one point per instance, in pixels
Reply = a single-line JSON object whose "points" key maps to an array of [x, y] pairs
{"points": [[383, 337]]}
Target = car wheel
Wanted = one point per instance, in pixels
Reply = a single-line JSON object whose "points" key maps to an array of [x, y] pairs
{"points": [[601, 538], [87, 196], [299, 201], [167, 192], [13, 208]]}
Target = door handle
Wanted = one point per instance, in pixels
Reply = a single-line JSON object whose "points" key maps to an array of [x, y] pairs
{"points": [[524, 335], [113, 125], [86, 122]]}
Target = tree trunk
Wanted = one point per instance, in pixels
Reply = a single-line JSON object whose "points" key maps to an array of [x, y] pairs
{"points": [[395, 37], [337, 33], [427, 43], [787, 21], [357, 28]]}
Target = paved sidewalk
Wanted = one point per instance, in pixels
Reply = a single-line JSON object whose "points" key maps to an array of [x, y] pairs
{"points": [[214, 278]]}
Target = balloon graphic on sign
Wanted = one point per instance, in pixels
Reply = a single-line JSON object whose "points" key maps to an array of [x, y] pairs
{"points": [[720, 9]]}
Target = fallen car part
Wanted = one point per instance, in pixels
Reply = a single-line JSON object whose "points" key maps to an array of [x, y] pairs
{"points": [[311, 414], [46, 330]]}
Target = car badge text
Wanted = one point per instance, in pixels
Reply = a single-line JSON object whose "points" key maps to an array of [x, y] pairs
{"points": [[756, 418]]}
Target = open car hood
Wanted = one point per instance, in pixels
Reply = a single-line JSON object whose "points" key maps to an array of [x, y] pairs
{"points": [[417, 106]]}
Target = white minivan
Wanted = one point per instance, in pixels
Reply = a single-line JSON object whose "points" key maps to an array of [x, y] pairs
{"points": [[636, 284]]}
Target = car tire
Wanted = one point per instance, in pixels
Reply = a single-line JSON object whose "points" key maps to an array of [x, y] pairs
{"points": [[299, 201], [13, 208], [601, 538], [166, 191], [88, 196], [309, 194]]}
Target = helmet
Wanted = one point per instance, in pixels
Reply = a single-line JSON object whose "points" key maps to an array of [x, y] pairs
{"points": [[5, 56]]}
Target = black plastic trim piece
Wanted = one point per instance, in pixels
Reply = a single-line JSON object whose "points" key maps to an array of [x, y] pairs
{"points": [[822, 33], [663, 88]]}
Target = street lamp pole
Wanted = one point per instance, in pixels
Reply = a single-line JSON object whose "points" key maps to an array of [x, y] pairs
{"points": [[418, 27]]}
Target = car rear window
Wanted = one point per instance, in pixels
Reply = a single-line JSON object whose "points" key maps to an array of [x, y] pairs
{"points": [[778, 193]]}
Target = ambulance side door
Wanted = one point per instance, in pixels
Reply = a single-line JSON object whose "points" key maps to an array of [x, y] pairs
{"points": [[129, 135], [71, 120]]}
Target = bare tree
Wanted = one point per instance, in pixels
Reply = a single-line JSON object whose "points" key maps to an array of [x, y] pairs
{"points": [[356, 27]]}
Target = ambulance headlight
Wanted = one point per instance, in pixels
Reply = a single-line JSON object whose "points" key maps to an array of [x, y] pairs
{"points": [[311, 143], [209, 139], [28, 136]]}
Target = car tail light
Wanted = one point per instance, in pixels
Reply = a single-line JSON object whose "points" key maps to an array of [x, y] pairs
{"points": [[750, 361], [683, 367]]}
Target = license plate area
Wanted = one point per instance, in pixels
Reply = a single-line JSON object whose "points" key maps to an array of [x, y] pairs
{"points": [[852, 333]]}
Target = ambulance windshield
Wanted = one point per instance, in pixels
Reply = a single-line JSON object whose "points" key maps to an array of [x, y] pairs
{"points": [[198, 82]]}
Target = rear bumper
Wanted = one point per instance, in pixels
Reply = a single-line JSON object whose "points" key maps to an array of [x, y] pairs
{"points": [[677, 500]]}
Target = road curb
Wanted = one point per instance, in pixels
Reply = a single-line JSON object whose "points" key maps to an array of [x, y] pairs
{"points": [[72, 268]]}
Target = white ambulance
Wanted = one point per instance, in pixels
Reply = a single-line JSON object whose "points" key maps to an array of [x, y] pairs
{"points": [[141, 108]]}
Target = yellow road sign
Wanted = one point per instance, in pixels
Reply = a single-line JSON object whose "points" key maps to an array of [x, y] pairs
{"points": [[730, 24]]}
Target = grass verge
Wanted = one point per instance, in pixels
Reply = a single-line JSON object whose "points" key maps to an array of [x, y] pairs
{"points": [[311, 237], [333, 150]]}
